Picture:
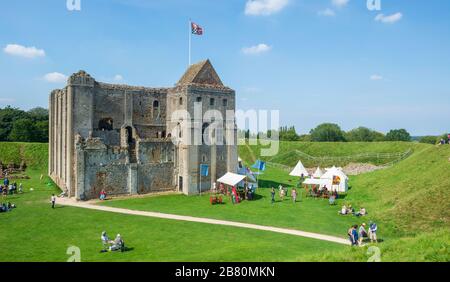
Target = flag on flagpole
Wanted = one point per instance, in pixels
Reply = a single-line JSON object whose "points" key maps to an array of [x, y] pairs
{"points": [[196, 29]]}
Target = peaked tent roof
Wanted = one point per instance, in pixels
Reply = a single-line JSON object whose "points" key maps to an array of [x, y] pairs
{"points": [[201, 73], [299, 170], [318, 173], [334, 171]]}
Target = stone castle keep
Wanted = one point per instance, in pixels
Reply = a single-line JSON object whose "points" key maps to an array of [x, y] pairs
{"points": [[120, 138]]}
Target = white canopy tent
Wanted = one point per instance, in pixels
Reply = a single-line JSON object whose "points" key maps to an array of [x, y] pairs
{"points": [[338, 181], [231, 179], [299, 170], [318, 173]]}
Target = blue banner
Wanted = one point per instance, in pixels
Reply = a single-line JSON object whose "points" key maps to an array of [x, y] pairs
{"points": [[259, 165], [204, 169]]}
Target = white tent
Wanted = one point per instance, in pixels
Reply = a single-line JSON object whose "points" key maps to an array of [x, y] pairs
{"points": [[337, 179], [318, 173], [299, 170], [231, 179]]}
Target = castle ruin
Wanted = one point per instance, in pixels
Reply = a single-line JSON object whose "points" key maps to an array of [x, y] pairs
{"points": [[132, 140]]}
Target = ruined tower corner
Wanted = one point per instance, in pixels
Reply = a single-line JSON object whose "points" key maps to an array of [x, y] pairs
{"points": [[81, 78]]}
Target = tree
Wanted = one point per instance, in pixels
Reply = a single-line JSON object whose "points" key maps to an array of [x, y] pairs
{"points": [[288, 134], [360, 134], [327, 132], [398, 135], [363, 134], [23, 130], [38, 114], [8, 116]]}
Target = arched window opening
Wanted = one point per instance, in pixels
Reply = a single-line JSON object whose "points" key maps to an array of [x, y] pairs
{"points": [[205, 132], [129, 134], [156, 109]]}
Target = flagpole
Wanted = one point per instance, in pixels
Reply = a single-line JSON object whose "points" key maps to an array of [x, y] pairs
{"points": [[190, 36]]}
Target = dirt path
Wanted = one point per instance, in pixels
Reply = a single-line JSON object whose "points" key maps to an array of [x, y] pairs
{"points": [[87, 205]]}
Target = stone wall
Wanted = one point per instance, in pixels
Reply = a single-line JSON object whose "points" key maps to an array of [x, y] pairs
{"points": [[119, 137]]}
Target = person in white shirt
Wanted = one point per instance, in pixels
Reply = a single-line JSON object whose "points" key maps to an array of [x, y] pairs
{"points": [[53, 200], [105, 241]]}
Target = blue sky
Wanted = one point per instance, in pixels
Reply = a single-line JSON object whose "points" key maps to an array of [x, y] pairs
{"points": [[314, 60]]}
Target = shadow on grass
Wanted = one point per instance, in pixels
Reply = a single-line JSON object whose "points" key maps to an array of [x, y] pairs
{"points": [[269, 184]]}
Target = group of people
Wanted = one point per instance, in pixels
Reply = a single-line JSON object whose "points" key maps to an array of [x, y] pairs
{"points": [[357, 234], [347, 210], [10, 188], [442, 141], [6, 207], [283, 191], [112, 245], [323, 193]]}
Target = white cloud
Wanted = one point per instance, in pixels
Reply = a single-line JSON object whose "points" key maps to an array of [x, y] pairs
{"points": [[327, 13], [55, 77], [340, 3], [22, 51], [257, 49], [118, 77], [389, 19], [376, 77], [264, 7]]}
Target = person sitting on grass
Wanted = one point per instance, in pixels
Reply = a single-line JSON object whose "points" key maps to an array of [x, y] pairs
{"points": [[350, 210], [117, 244], [102, 195], [343, 210], [362, 212], [3, 207], [105, 241]]}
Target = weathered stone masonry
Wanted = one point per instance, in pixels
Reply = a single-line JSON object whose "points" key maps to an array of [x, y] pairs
{"points": [[119, 137]]}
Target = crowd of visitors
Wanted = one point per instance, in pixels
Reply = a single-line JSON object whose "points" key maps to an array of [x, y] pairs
{"points": [[349, 210], [356, 234]]}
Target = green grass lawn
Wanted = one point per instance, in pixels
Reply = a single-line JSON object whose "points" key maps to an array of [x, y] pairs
{"points": [[287, 152], [409, 201], [308, 214], [35, 232]]}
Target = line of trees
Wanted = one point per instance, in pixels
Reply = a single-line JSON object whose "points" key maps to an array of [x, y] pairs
{"points": [[23, 126], [330, 132], [32, 126]]}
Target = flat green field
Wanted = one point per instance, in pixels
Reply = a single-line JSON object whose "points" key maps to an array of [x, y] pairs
{"points": [[409, 201]]}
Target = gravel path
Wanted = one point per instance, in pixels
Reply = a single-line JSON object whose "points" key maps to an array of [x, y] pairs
{"points": [[87, 205]]}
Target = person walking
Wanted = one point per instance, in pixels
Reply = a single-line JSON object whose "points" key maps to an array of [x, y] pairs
{"points": [[53, 200], [373, 232], [272, 193], [294, 195]]}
